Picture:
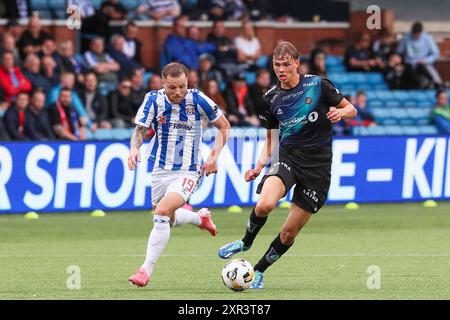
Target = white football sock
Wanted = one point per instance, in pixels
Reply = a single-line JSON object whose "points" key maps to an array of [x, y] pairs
{"points": [[157, 241], [184, 216]]}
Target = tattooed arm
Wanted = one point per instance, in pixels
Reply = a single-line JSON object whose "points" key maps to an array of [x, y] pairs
{"points": [[135, 143]]}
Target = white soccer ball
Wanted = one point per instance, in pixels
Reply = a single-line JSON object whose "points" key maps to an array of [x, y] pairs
{"points": [[238, 275]]}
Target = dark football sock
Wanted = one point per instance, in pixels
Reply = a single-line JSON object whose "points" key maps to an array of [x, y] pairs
{"points": [[254, 224], [275, 251]]}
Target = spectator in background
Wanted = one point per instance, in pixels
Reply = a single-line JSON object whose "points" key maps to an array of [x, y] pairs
{"points": [[193, 79], [211, 89], [199, 46], [154, 83], [37, 124], [394, 72], [15, 29], [121, 105], [195, 10], [384, 46], [95, 103], [227, 9], [178, 47], [132, 46], [12, 80], [364, 117], [441, 113], [3, 133], [240, 110], [259, 9], [68, 61], [166, 10], [85, 7], [48, 48], [17, 9], [119, 11], [359, 57], [259, 88], [317, 63], [97, 25], [226, 53], [67, 81], [49, 70], [116, 51], [33, 37], [102, 64], [32, 67], [248, 46], [14, 118], [9, 44], [64, 119], [420, 51], [137, 86], [207, 70]]}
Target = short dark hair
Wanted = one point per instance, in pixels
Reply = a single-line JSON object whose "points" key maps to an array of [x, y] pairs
{"points": [[285, 49], [439, 92], [360, 93], [174, 69], [417, 27], [65, 89]]}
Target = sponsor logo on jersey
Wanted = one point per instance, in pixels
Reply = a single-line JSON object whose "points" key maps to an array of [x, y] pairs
{"points": [[310, 84], [313, 116], [308, 100], [180, 125], [190, 109], [262, 117], [292, 95], [162, 119]]}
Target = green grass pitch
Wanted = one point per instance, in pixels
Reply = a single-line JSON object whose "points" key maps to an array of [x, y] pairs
{"points": [[329, 260]]}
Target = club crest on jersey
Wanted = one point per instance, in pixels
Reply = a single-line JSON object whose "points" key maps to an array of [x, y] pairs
{"points": [[190, 109], [308, 100], [279, 111], [162, 119]]}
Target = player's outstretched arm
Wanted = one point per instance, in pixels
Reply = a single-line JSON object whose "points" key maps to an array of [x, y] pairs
{"points": [[344, 110], [272, 139], [224, 127], [135, 143]]}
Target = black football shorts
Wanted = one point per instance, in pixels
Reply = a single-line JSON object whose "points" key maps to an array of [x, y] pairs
{"points": [[311, 183]]}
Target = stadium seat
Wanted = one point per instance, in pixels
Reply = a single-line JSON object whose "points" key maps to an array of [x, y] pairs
{"points": [[262, 61], [130, 5], [392, 104], [393, 130], [374, 78], [333, 60], [428, 130], [336, 69], [45, 14], [383, 115], [376, 130], [102, 134], [96, 3], [401, 95], [373, 104], [402, 116], [411, 130], [425, 104], [250, 77], [39, 5], [146, 78], [420, 116], [385, 95], [57, 5], [409, 104]]}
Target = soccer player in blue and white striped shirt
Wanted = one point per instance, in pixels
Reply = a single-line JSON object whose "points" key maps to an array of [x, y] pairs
{"points": [[175, 113]]}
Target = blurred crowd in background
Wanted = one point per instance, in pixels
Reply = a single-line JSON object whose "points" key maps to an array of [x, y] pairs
{"points": [[51, 90]]}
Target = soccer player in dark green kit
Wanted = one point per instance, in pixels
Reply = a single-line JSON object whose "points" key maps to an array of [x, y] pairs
{"points": [[303, 109]]}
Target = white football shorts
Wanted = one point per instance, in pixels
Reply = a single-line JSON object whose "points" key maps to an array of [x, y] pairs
{"points": [[182, 182]]}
